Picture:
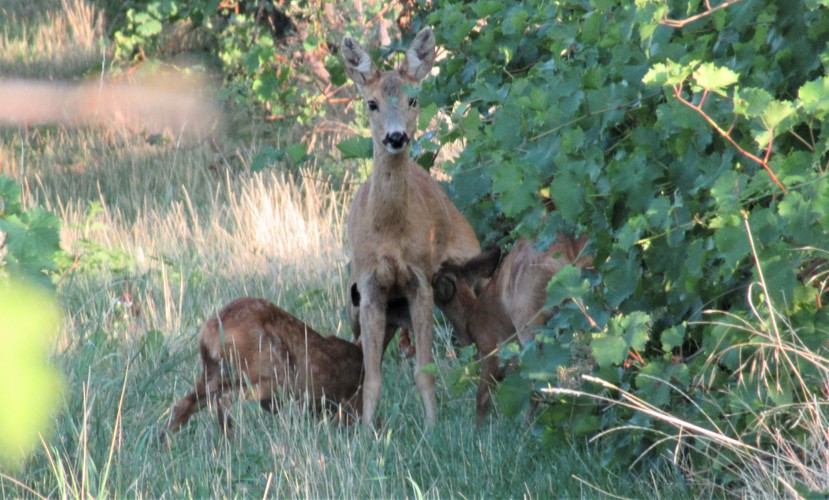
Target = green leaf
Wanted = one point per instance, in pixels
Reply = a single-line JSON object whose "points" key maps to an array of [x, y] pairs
{"points": [[516, 20], [732, 243], [814, 96], [32, 240], [672, 337], [651, 388], [609, 351], [621, 274], [567, 191], [751, 102], [668, 74], [9, 196], [487, 7], [591, 28], [777, 113], [265, 85], [30, 320], [542, 365], [429, 368], [517, 185], [636, 329], [356, 147], [566, 284], [426, 114], [148, 27], [714, 78], [266, 157], [297, 153], [471, 124], [780, 273]]}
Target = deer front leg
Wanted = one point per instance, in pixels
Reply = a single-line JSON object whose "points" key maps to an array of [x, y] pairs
{"points": [[421, 313], [489, 376], [372, 326]]}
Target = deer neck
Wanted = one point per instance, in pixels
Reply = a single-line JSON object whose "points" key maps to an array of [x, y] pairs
{"points": [[388, 198]]}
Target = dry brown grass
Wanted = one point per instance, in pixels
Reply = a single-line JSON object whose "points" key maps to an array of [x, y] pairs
{"points": [[49, 38]]}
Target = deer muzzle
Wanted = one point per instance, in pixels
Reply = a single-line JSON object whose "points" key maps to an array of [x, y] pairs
{"points": [[396, 141]]}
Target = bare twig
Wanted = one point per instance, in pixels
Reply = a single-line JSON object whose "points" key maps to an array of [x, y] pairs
{"points": [[726, 134], [679, 23]]}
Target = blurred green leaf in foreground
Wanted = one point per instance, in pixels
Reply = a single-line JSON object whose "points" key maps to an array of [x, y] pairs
{"points": [[29, 317]]}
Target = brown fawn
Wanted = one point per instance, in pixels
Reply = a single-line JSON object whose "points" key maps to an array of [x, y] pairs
{"points": [[510, 305], [256, 350]]}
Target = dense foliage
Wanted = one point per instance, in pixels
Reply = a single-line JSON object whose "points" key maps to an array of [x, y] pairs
{"points": [[671, 134]]}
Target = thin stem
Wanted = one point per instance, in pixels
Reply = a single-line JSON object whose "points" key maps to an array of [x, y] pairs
{"points": [[727, 136], [679, 23]]}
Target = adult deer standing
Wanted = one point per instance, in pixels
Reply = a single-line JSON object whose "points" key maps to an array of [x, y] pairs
{"points": [[401, 224]]}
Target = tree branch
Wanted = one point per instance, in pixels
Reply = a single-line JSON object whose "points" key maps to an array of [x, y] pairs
{"points": [[726, 134], [679, 23]]}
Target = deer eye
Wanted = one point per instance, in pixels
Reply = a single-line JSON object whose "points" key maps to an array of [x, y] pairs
{"points": [[372, 105], [412, 102]]}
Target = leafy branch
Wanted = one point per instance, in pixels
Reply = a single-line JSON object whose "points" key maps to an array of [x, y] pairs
{"points": [[726, 134]]}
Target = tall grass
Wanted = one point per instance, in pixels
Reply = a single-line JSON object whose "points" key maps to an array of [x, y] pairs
{"points": [[49, 39], [158, 235]]}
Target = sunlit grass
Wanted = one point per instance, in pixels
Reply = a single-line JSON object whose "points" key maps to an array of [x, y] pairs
{"points": [[50, 38]]}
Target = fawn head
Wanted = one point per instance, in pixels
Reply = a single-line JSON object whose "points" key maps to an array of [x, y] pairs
{"points": [[456, 288], [390, 95]]}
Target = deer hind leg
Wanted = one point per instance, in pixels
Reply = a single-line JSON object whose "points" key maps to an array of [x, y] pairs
{"points": [[187, 406], [221, 395], [266, 392], [421, 314]]}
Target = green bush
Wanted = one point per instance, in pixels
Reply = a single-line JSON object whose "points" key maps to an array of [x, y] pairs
{"points": [[29, 239], [272, 56], [666, 132]]}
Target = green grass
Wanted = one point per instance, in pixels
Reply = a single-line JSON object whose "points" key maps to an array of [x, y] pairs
{"points": [[158, 236]]}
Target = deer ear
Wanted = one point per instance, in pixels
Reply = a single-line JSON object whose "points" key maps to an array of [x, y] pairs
{"points": [[481, 266], [358, 64], [443, 288], [420, 57]]}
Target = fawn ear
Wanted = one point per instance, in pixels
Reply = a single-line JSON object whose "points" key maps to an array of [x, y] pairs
{"points": [[443, 287], [420, 56], [358, 64], [482, 266]]}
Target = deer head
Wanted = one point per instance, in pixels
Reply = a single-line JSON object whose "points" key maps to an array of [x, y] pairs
{"points": [[389, 95], [456, 288]]}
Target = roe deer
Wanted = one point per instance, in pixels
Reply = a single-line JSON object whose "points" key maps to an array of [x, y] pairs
{"points": [[258, 350], [510, 305], [401, 224]]}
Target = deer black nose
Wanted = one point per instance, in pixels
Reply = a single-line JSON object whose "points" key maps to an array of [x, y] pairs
{"points": [[396, 140]]}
